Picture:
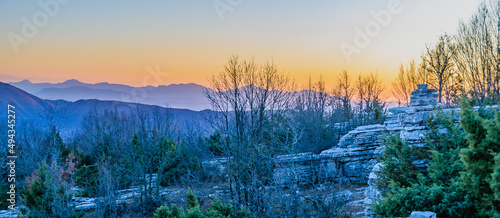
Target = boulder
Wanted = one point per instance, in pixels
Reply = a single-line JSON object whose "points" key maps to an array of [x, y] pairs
{"points": [[423, 214]]}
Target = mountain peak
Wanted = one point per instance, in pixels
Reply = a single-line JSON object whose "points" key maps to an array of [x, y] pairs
{"points": [[71, 81], [184, 84], [24, 81]]}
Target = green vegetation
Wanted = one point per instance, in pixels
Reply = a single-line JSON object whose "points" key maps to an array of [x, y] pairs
{"points": [[175, 164], [4, 188], [193, 210], [215, 143], [38, 195], [48, 191], [461, 178], [86, 178]]}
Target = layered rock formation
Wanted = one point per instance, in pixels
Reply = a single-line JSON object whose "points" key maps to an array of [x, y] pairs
{"points": [[350, 162], [423, 96], [354, 159]]}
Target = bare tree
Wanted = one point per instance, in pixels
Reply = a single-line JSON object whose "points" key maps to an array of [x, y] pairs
{"points": [[54, 114], [344, 90], [107, 190], [406, 82], [343, 111], [312, 113], [439, 62], [478, 52], [370, 105], [249, 98]]}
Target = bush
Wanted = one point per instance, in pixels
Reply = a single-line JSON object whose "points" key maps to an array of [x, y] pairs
{"points": [[397, 159], [47, 194], [4, 185], [37, 195], [176, 164], [193, 210], [86, 178], [4, 188], [165, 212], [219, 209], [215, 143]]}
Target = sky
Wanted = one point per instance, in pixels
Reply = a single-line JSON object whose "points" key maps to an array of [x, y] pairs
{"points": [[157, 42]]}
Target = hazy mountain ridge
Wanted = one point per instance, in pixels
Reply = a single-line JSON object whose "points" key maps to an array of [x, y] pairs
{"points": [[30, 108], [26, 105], [188, 96]]}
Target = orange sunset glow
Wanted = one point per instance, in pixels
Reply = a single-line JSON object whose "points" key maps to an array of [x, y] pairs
{"points": [[115, 42]]}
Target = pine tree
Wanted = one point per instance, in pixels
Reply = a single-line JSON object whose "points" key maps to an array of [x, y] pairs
{"points": [[191, 199], [483, 136], [397, 159], [435, 189]]}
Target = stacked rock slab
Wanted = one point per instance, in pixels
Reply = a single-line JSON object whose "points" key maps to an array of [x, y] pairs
{"points": [[423, 96], [410, 124], [349, 162]]}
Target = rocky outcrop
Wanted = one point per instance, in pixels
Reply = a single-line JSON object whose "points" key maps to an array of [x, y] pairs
{"points": [[354, 157], [372, 193], [350, 162], [353, 160]]}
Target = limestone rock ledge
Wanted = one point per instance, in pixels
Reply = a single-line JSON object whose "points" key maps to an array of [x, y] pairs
{"points": [[353, 160]]}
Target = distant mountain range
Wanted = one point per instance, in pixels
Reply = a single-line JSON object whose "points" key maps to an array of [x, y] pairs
{"points": [[186, 96], [31, 108], [183, 96]]}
